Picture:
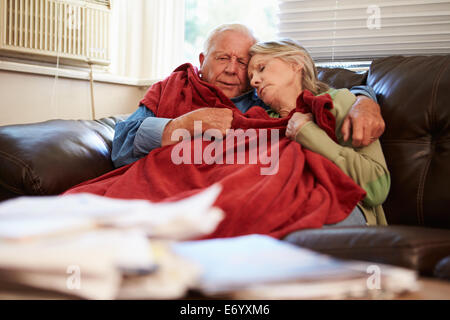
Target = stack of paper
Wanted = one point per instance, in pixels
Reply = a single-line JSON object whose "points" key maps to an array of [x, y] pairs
{"points": [[101, 248], [33, 217]]}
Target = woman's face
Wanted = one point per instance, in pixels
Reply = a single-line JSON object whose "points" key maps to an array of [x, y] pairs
{"points": [[277, 82]]}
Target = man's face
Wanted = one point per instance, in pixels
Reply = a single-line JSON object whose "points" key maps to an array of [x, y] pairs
{"points": [[225, 65]]}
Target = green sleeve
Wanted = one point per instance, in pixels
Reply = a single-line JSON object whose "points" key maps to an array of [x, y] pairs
{"points": [[366, 166]]}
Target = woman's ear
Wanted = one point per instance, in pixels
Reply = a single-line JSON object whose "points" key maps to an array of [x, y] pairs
{"points": [[298, 67]]}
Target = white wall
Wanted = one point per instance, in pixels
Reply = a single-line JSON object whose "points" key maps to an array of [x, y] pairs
{"points": [[27, 98]]}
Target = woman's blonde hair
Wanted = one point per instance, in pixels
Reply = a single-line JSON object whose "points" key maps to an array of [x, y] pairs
{"points": [[291, 52]]}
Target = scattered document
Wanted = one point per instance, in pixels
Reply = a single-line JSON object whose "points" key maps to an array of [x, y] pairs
{"points": [[172, 279], [261, 267]]}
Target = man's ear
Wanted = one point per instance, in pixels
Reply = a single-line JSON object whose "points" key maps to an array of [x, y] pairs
{"points": [[201, 58]]}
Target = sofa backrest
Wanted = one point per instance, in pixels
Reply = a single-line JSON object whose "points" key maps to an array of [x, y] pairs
{"points": [[414, 95], [341, 78]]}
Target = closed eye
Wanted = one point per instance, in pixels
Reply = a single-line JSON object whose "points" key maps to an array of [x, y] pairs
{"points": [[223, 58], [242, 62]]}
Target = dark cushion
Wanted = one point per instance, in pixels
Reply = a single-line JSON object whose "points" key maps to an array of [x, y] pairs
{"points": [[414, 96], [49, 157], [406, 246], [341, 78], [442, 269]]}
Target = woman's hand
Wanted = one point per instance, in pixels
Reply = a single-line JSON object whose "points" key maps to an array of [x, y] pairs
{"points": [[297, 121]]}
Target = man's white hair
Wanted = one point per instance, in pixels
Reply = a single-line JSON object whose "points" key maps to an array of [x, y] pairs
{"points": [[227, 27]]}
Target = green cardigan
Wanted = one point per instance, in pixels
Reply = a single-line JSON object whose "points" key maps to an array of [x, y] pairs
{"points": [[366, 166]]}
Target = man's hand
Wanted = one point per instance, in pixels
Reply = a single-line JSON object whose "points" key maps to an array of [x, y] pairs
{"points": [[295, 123], [211, 118], [364, 119]]}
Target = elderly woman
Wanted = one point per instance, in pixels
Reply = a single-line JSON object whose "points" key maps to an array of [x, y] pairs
{"points": [[280, 71]]}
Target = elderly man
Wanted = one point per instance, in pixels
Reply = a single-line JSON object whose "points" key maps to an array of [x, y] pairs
{"points": [[223, 63]]}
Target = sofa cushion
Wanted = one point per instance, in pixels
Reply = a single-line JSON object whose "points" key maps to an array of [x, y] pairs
{"points": [[49, 157], [442, 269], [414, 96], [411, 247]]}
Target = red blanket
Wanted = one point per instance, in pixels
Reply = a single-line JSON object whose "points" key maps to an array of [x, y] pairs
{"points": [[306, 191]]}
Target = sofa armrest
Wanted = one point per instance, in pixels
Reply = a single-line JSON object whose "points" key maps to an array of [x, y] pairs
{"points": [[49, 157], [411, 247]]}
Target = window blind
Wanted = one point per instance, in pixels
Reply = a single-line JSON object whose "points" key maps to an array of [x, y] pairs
{"points": [[349, 30], [106, 3]]}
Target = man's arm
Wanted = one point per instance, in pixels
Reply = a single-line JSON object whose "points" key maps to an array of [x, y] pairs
{"points": [[364, 120], [137, 136], [142, 132], [364, 91], [209, 118]]}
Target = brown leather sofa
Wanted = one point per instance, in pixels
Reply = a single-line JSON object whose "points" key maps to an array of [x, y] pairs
{"points": [[414, 93]]}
